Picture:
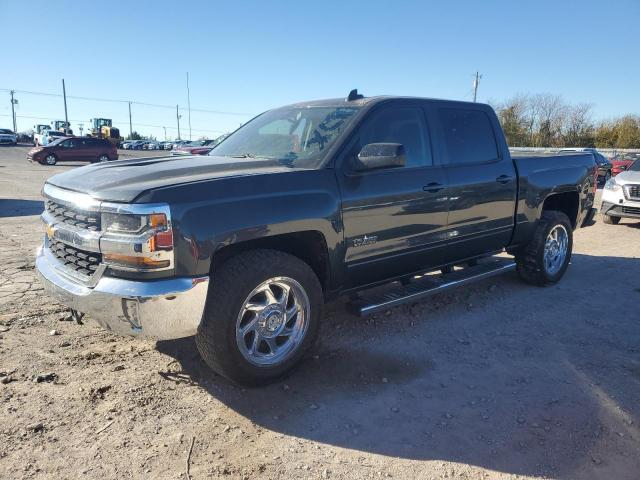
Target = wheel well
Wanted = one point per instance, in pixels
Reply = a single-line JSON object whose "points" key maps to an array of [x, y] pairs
{"points": [[309, 246], [567, 203]]}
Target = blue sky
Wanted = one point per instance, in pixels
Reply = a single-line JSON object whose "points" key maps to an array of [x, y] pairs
{"points": [[248, 56]]}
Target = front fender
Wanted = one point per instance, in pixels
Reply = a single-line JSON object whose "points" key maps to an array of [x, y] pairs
{"points": [[233, 210]]}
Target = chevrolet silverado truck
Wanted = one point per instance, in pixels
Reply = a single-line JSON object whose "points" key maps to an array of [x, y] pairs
{"points": [[384, 199]]}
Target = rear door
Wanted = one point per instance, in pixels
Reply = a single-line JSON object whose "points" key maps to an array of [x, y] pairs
{"points": [[90, 149], [395, 218], [481, 181]]}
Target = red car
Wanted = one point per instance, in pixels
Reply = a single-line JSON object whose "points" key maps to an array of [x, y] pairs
{"points": [[74, 149], [199, 147], [622, 162]]}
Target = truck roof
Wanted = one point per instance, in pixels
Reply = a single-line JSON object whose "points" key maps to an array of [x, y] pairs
{"points": [[360, 102]]}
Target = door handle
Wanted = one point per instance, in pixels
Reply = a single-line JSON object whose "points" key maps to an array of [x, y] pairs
{"points": [[433, 187], [504, 179]]}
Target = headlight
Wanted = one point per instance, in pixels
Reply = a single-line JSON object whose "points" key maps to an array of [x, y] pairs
{"points": [[138, 241], [612, 185]]}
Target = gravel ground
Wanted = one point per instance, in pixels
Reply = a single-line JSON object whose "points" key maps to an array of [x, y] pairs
{"points": [[497, 380]]}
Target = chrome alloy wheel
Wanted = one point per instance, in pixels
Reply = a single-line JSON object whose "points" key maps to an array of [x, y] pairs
{"points": [[555, 249], [273, 321]]}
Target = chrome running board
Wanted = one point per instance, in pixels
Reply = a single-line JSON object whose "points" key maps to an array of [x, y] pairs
{"points": [[425, 285]]}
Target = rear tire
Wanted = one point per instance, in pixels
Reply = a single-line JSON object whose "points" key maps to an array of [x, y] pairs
{"points": [[610, 219], [545, 260], [234, 307], [103, 158]]}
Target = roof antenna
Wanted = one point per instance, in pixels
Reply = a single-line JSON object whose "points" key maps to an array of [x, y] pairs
{"points": [[354, 95]]}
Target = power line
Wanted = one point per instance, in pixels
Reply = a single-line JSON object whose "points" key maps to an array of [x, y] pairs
{"points": [[111, 100]]}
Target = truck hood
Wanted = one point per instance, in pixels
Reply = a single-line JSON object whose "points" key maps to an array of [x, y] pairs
{"points": [[628, 177], [124, 180]]}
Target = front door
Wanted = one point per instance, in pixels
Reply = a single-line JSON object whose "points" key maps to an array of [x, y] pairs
{"points": [[394, 218], [69, 150]]}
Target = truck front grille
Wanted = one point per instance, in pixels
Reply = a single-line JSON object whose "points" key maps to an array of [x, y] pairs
{"points": [[631, 210], [83, 262], [77, 218], [633, 191]]}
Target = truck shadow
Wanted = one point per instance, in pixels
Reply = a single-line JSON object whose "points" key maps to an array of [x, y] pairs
{"points": [[13, 207], [541, 383]]}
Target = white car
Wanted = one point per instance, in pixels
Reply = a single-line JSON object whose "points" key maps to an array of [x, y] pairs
{"points": [[7, 136], [621, 196]]}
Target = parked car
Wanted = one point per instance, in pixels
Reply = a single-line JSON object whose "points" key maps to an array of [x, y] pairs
{"points": [[605, 167], [8, 137], [81, 149], [622, 162], [621, 196], [179, 143], [199, 147], [300, 205]]}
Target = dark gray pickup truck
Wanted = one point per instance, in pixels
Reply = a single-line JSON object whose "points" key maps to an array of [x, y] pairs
{"points": [[304, 203]]}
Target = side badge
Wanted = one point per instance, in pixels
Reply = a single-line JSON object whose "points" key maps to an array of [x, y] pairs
{"points": [[366, 240]]}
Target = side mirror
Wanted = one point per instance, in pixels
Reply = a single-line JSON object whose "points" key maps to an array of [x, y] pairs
{"points": [[381, 155]]}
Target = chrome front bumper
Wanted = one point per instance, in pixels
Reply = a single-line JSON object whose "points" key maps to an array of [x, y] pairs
{"points": [[161, 309]]}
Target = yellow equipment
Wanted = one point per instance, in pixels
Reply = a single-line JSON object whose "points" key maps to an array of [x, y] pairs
{"points": [[103, 128]]}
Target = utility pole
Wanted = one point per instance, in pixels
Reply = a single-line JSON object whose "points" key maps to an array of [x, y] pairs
{"points": [[178, 118], [130, 124], [165, 133], [476, 82], [13, 111], [81, 128], [64, 94], [189, 105]]}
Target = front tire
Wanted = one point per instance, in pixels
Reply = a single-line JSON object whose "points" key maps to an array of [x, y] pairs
{"points": [[610, 219], [50, 159], [546, 258], [262, 314]]}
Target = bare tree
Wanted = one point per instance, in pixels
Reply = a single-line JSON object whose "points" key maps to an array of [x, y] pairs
{"points": [[578, 128]]}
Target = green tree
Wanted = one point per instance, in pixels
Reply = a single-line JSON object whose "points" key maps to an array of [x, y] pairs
{"points": [[134, 136]]}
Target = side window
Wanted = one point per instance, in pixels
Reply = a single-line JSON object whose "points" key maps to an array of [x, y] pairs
{"points": [[405, 125], [468, 135]]}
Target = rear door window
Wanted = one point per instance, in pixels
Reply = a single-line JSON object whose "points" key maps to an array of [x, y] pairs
{"points": [[468, 136]]}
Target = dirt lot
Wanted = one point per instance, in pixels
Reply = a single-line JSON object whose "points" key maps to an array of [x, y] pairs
{"points": [[498, 380]]}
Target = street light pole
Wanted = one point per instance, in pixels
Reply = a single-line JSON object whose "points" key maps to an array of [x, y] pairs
{"points": [[178, 118], [476, 82], [64, 94], [13, 112], [130, 124]]}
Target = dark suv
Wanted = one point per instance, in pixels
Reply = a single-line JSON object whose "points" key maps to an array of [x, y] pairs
{"points": [[74, 149]]}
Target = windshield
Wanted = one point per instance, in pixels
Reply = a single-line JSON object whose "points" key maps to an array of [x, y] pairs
{"points": [[635, 166], [57, 141], [299, 137]]}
